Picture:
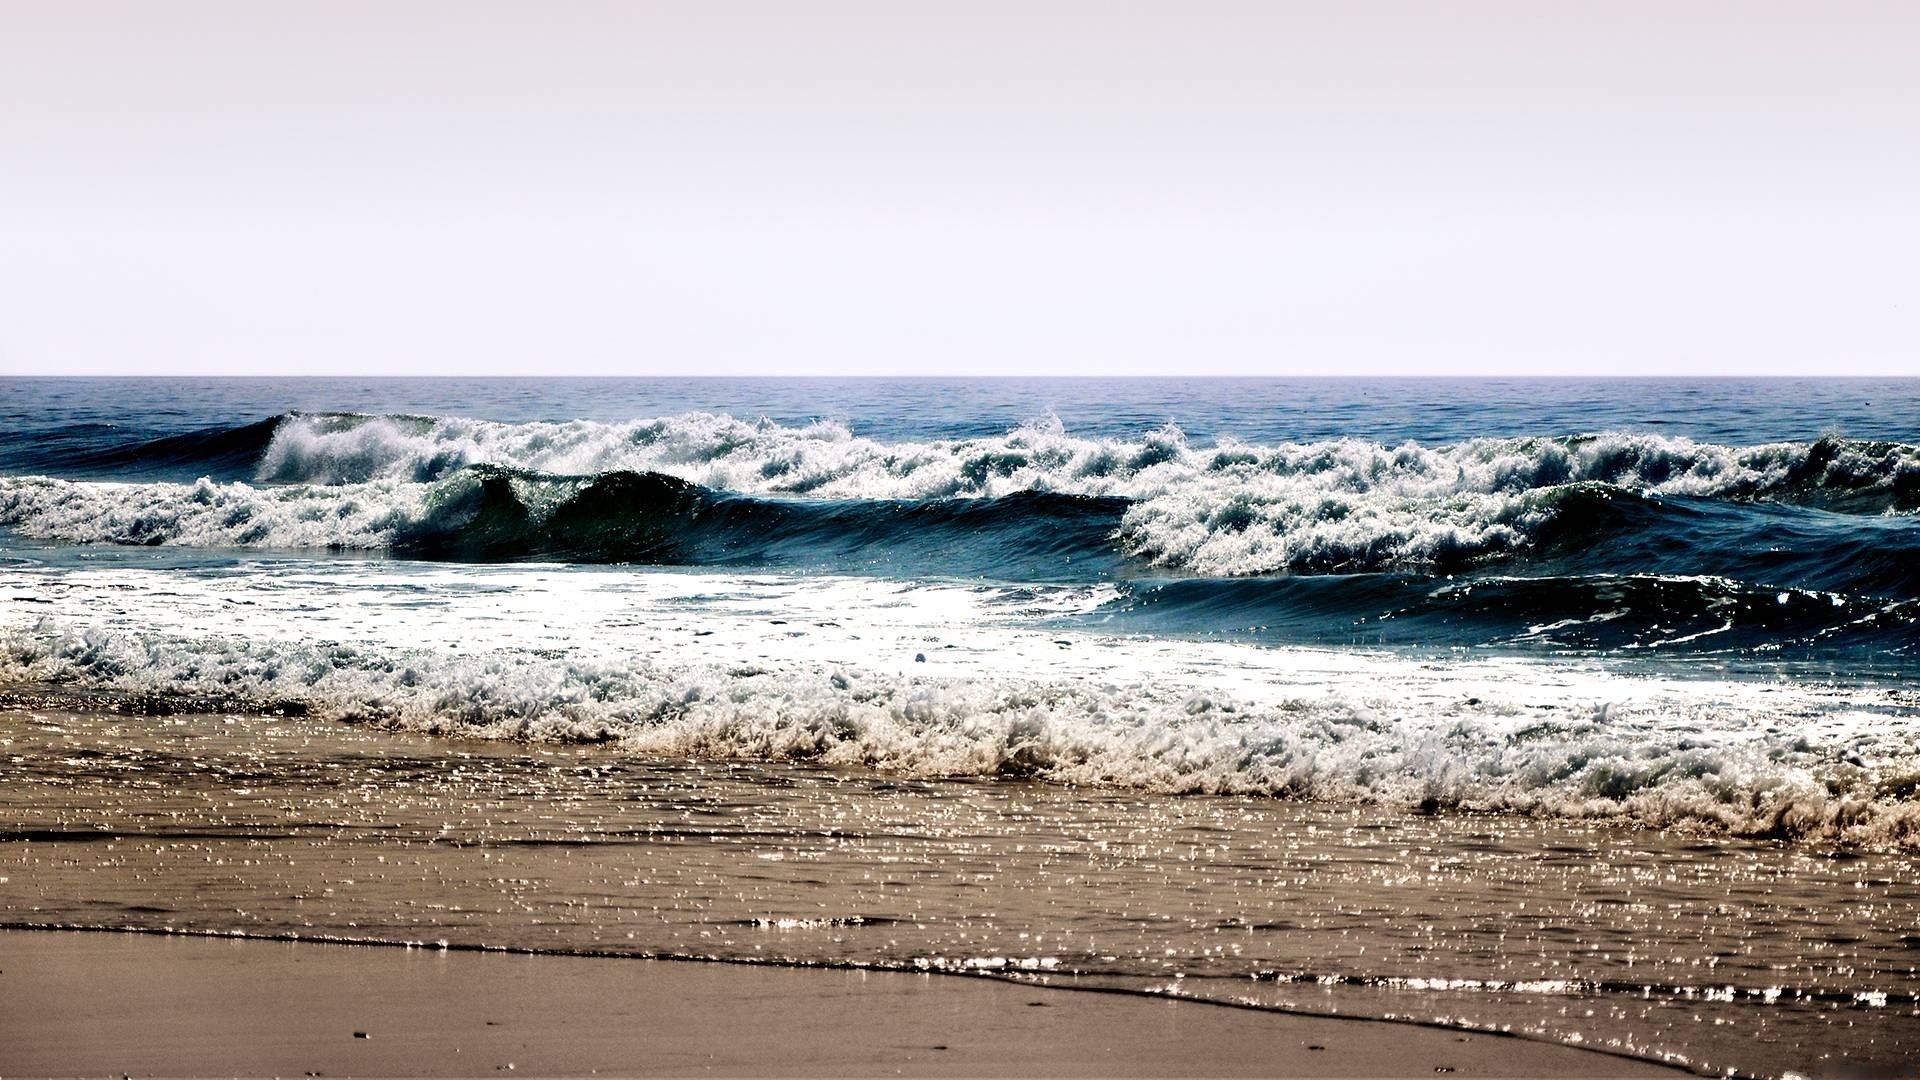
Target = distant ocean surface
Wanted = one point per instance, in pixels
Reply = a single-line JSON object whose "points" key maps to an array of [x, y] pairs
{"points": [[1667, 620]]}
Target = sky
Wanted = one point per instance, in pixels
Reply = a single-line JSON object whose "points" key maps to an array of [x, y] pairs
{"points": [[234, 187]]}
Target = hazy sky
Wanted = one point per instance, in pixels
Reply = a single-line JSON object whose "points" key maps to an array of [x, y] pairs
{"points": [[705, 187]]}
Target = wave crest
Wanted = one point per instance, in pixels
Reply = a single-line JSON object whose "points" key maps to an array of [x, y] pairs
{"points": [[826, 460], [704, 487]]}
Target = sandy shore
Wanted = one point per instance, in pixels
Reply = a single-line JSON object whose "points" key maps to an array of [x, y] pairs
{"points": [[102, 1003]]}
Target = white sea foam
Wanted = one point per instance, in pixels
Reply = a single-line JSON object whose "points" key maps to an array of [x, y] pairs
{"points": [[1226, 510], [205, 514], [950, 680], [827, 460]]}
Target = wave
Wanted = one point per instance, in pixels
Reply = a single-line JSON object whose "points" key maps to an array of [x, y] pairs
{"points": [[212, 515], [826, 460], [652, 518], [1584, 566], [1748, 759], [1614, 613], [222, 450], [1847, 592], [703, 488], [484, 514], [101, 451]]}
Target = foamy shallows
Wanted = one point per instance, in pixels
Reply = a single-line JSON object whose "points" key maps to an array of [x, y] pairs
{"points": [[1723, 955], [962, 679]]}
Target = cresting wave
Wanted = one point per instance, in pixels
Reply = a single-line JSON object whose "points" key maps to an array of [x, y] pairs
{"points": [[703, 488], [825, 460], [485, 514]]}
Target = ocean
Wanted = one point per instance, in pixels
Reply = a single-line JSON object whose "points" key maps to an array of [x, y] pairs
{"points": [[1581, 710]]}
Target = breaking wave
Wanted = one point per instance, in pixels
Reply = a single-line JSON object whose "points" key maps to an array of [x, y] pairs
{"points": [[825, 460], [650, 491], [484, 514], [1747, 760], [1611, 541]]}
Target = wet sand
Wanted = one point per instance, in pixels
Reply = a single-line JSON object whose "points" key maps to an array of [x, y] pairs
{"points": [[98, 1003]]}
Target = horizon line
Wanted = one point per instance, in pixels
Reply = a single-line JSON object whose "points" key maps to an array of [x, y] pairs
{"points": [[997, 377]]}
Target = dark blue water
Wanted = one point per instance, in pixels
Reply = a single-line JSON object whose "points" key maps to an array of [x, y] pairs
{"points": [[83, 414], [1769, 519]]}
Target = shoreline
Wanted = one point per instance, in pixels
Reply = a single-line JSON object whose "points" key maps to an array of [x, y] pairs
{"points": [[155, 1003]]}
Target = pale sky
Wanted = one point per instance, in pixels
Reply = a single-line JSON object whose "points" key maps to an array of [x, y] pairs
{"points": [[231, 186]]}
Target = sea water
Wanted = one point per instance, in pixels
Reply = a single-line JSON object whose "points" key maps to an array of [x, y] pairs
{"points": [[1580, 709]]}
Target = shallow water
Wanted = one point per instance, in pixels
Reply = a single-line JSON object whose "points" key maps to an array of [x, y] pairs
{"points": [[970, 678], [1764, 957]]}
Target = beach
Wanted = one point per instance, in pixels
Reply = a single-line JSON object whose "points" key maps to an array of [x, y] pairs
{"points": [[143, 1005], [358, 846]]}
